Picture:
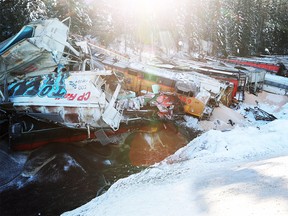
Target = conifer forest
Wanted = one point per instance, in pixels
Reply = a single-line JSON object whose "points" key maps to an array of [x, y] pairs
{"points": [[232, 27]]}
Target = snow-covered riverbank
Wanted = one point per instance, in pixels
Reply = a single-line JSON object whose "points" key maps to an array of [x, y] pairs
{"points": [[241, 170]]}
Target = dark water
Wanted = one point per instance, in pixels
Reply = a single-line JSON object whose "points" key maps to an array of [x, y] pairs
{"points": [[61, 177]]}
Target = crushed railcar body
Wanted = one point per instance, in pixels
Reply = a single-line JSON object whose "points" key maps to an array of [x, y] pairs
{"points": [[198, 93], [236, 78], [46, 84], [52, 90]]}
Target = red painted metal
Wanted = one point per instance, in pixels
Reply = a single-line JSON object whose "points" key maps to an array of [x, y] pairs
{"points": [[266, 66]]}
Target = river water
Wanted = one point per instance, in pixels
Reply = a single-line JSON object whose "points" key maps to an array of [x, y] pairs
{"points": [[61, 177]]}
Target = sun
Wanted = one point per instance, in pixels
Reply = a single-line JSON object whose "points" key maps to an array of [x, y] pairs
{"points": [[146, 7], [144, 4]]}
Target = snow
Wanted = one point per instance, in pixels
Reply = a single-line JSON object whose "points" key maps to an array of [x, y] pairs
{"points": [[239, 169]]}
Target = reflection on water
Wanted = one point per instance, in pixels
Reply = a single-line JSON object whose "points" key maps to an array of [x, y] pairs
{"points": [[61, 177], [147, 148]]}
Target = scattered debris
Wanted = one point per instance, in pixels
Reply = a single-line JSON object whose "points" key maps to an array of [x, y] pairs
{"points": [[260, 114]]}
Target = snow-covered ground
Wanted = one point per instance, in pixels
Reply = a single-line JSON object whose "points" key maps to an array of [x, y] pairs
{"points": [[228, 170]]}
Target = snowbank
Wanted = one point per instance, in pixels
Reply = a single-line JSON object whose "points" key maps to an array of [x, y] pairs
{"points": [[240, 143]]}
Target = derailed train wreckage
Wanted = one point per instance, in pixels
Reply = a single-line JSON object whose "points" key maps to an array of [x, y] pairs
{"points": [[52, 90]]}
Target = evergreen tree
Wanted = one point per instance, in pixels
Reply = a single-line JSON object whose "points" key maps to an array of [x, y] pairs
{"points": [[221, 29], [17, 13], [257, 21], [13, 16], [193, 25], [36, 9], [77, 10]]}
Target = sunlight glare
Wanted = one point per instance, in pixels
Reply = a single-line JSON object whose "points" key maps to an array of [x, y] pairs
{"points": [[148, 7]]}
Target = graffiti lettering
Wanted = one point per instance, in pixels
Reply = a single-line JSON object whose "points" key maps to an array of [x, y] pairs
{"points": [[53, 87], [44, 91], [50, 85], [59, 92], [28, 87]]}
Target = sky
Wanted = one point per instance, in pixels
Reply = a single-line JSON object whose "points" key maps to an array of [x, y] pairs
{"points": [[228, 170]]}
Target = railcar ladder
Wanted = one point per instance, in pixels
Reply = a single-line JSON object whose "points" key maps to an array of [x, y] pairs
{"points": [[241, 87]]}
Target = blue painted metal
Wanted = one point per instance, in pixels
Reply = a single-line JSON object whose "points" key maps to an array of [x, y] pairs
{"points": [[25, 32]]}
